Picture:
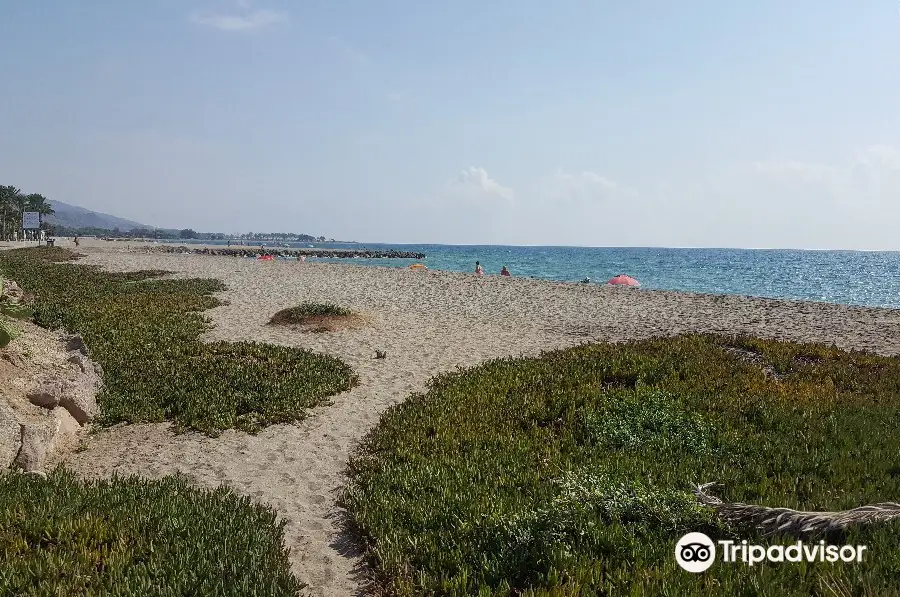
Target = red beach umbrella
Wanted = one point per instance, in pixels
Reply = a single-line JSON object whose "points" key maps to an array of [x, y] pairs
{"points": [[623, 280]]}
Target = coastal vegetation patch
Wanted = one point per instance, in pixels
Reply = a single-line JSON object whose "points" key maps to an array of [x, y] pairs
{"points": [[10, 308], [131, 536], [572, 473], [145, 334], [316, 317]]}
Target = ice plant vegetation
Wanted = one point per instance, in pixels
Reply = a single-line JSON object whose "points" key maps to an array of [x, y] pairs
{"points": [[130, 536], [10, 309], [317, 318], [306, 312], [572, 473], [145, 333]]}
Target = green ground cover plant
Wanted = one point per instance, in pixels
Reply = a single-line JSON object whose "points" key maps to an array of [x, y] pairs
{"points": [[317, 318], [571, 473], [136, 537], [145, 333], [304, 312], [10, 309]]}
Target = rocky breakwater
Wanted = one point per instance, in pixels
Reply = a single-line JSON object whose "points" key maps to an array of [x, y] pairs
{"points": [[48, 390], [291, 253]]}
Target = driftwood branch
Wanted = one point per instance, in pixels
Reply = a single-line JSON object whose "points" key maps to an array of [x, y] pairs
{"points": [[797, 523]]}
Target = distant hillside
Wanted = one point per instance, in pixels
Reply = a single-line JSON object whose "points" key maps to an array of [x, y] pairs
{"points": [[71, 216]]}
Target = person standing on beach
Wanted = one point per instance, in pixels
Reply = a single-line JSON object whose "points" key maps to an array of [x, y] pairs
{"points": [[479, 271]]}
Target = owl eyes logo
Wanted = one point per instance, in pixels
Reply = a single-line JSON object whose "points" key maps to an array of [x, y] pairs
{"points": [[695, 552]]}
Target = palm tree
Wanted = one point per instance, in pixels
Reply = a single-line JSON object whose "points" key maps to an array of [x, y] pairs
{"points": [[40, 204], [4, 209], [10, 210], [9, 218], [33, 202], [13, 204]]}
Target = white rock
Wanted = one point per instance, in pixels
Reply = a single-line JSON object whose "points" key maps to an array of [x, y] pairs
{"points": [[10, 435], [68, 433], [38, 439], [47, 394]]}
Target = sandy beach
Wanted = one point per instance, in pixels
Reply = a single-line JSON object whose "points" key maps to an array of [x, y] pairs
{"points": [[428, 323]]}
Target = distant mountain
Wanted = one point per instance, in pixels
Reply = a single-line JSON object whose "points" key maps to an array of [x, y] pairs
{"points": [[72, 216]]}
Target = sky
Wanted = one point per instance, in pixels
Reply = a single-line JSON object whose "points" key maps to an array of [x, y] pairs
{"points": [[701, 123]]}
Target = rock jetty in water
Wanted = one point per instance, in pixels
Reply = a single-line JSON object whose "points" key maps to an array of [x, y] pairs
{"points": [[277, 252]]}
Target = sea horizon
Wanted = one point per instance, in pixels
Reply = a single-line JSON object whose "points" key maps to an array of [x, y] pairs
{"points": [[842, 276], [547, 246]]}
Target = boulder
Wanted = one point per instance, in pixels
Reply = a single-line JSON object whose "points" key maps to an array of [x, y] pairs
{"points": [[84, 365], [80, 396], [12, 290], [10, 435], [13, 358], [77, 396], [77, 359], [81, 405], [76, 343], [45, 404], [38, 439], [67, 436], [47, 394]]}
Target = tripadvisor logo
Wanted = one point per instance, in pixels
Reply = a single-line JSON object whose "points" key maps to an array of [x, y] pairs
{"points": [[696, 552]]}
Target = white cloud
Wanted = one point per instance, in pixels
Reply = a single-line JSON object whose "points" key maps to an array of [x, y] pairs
{"points": [[475, 182], [794, 171], [881, 156], [469, 209], [850, 203], [871, 176], [395, 97], [581, 208], [787, 186], [250, 21], [346, 50], [587, 186], [877, 174]]}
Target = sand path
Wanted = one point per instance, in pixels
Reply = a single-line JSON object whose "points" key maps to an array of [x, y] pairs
{"points": [[428, 323]]}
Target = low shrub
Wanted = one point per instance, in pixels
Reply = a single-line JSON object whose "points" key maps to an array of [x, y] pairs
{"points": [[315, 317], [129, 536], [145, 333], [304, 312], [571, 473]]}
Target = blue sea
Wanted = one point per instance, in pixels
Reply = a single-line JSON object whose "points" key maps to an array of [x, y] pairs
{"points": [[847, 277]]}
